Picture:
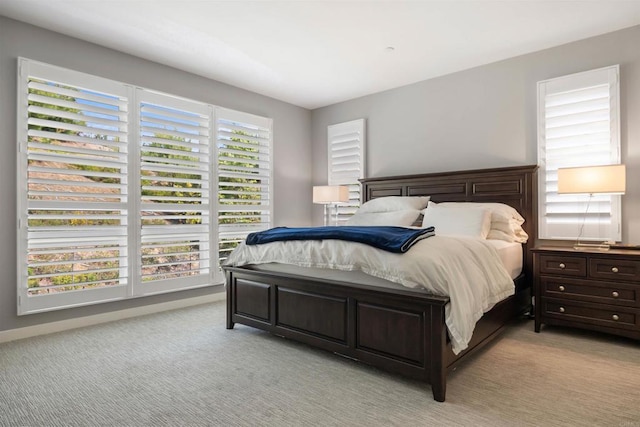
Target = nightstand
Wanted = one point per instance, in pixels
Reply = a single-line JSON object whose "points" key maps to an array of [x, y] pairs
{"points": [[590, 289]]}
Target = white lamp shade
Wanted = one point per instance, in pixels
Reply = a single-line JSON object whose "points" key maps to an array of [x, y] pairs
{"points": [[592, 179], [327, 194]]}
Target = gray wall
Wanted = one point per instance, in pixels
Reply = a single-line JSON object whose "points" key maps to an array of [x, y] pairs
{"points": [[486, 117], [482, 117], [291, 124]]}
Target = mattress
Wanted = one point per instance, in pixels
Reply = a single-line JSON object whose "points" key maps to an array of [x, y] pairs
{"points": [[511, 255]]}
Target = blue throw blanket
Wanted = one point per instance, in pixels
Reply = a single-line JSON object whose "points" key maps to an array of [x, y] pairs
{"points": [[392, 239]]}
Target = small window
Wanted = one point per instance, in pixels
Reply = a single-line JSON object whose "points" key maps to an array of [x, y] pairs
{"points": [[578, 125], [346, 162]]}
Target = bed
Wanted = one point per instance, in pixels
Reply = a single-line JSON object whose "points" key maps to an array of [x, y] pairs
{"points": [[389, 327]]}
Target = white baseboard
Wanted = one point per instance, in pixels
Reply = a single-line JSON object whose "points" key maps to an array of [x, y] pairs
{"points": [[63, 325]]}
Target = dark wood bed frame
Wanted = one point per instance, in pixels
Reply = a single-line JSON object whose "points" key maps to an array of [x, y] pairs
{"points": [[393, 329]]}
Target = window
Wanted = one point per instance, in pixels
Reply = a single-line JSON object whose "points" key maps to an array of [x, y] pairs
{"points": [[175, 186], [346, 162], [117, 188], [578, 125]]}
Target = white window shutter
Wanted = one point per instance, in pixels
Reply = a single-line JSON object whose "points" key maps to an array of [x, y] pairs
{"points": [[346, 162], [125, 192], [244, 159], [72, 207], [578, 125], [175, 193]]}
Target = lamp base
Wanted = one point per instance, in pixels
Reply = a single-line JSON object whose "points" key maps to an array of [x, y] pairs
{"points": [[330, 215], [591, 246]]}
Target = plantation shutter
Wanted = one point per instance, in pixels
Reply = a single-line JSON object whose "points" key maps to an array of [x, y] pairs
{"points": [[124, 192], [244, 153], [346, 144], [578, 125], [175, 193], [73, 203]]}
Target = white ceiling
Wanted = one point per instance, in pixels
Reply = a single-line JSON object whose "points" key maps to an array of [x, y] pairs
{"points": [[316, 53]]}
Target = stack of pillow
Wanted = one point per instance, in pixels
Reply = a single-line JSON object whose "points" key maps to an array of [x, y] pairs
{"points": [[495, 221]]}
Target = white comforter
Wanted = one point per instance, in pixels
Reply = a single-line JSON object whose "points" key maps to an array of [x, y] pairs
{"points": [[467, 270]]}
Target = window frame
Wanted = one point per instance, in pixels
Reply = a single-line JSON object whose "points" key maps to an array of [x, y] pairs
{"points": [[607, 224], [134, 287]]}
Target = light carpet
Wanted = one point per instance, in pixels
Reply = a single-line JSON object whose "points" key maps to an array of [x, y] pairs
{"points": [[183, 368]]}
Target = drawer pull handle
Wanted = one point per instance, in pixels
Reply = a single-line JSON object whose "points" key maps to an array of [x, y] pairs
{"points": [[615, 317], [614, 269], [561, 309], [562, 266], [615, 294], [561, 288]]}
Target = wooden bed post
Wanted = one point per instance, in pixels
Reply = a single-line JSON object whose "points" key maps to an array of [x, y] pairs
{"points": [[230, 323], [438, 335]]}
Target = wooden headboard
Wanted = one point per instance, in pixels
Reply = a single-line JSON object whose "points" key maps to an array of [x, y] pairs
{"points": [[514, 186]]}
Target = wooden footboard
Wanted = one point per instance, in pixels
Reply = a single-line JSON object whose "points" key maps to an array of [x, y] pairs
{"points": [[398, 331]]}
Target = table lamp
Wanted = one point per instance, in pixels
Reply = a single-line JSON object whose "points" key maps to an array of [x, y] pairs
{"points": [[329, 196], [607, 179]]}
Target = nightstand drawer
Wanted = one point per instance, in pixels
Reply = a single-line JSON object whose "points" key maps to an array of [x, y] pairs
{"points": [[594, 314], [563, 265], [614, 269], [591, 291]]}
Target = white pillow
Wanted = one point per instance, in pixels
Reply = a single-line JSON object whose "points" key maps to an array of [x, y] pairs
{"points": [[506, 222], [394, 203], [404, 218], [457, 222]]}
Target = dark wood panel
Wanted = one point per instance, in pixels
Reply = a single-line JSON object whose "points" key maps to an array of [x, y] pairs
{"points": [[252, 299], [596, 314], [383, 192], [614, 293], [614, 269], [317, 314], [434, 190], [563, 265], [504, 187], [392, 332]]}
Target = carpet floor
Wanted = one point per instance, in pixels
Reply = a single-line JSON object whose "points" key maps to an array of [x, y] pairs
{"points": [[183, 368]]}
